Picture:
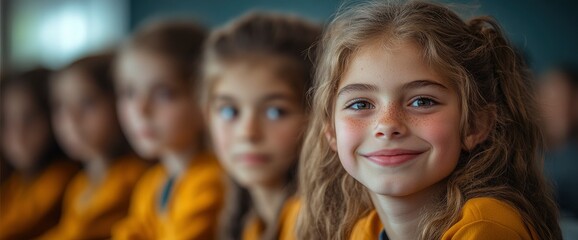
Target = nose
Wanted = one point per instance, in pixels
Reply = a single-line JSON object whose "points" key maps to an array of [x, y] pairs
{"points": [[142, 106], [390, 123], [249, 128]]}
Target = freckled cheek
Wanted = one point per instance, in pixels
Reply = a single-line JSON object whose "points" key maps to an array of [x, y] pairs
{"points": [[442, 134], [350, 133]]}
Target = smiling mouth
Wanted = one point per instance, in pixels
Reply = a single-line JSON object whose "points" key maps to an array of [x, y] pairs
{"points": [[393, 157]]}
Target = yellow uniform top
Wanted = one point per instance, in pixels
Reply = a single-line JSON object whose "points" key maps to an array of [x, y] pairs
{"points": [[192, 209], [30, 207], [481, 218], [287, 221], [108, 202]]}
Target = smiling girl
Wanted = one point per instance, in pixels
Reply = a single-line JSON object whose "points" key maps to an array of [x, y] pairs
{"points": [[430, 131]]}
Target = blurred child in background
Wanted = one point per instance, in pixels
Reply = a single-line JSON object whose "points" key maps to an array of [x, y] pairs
{"points": [[30, 199], [558, 101], [558, 95], [5, 168], [157, 71], [430, 129], [86, 125], [257, 76]]}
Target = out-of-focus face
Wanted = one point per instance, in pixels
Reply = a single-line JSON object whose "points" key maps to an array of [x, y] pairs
{"points": [[84, 118], [555, 100], [26, 130], [256, 122], [396, 121], [156, 107]]}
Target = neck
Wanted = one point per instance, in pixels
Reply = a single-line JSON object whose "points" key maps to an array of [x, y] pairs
{"points": [[29, 175], [176, 162], [96, 169], [400, 216], [267, 201]]}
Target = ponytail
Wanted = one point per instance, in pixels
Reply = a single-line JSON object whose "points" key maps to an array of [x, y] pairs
{"points": [[510, 86]]}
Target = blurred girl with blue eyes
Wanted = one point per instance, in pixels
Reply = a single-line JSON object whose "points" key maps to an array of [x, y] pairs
{"points": [[256, 76]]}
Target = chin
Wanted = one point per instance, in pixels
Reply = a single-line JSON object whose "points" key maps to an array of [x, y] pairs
{"points": [[147, 152], [252, 181], [390, 188]]}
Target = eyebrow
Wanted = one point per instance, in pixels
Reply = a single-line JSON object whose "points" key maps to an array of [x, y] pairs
{"points": [[372, 88], [276, 96], [357, 87], [422, 83], [223, 98]]}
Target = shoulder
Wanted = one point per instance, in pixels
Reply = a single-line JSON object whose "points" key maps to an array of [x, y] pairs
{"points": [[253, 228], [204, 169], [57, 177], [367, 227], [488, 218], [288, 218], [150, 179]]}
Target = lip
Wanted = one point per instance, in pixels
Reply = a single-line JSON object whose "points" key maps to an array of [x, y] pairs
{"points": [[392, 157], [252, 159], [145, 133]]}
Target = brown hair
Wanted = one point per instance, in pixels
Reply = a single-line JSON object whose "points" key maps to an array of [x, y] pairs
{"points": [[489, 77], [179, 41], [259, 35]]}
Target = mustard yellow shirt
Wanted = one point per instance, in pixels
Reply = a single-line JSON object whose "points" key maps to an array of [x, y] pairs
{"points": [[481, 218], [192, 210], [93, 218], [30, 207], [287, 221]]}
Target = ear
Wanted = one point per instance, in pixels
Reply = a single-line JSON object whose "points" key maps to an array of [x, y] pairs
{"points": [[484, 123], [330, 136]]}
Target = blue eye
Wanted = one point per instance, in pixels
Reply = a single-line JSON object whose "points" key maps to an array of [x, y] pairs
{"points": [[423, 102], [228, 112], [361, 105], [274, 113]]}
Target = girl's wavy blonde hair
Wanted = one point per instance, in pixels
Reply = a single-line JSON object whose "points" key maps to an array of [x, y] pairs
{"points": [[490, 79]]}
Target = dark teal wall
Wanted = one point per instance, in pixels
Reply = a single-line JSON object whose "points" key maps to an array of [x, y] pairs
{"points": [[546, 30]]}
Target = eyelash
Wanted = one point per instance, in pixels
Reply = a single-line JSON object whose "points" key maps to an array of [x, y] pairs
{"points": [[357, 101], [431, 101]]}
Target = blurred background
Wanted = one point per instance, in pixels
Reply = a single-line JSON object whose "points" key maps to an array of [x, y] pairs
{"points": [[54, 32]]}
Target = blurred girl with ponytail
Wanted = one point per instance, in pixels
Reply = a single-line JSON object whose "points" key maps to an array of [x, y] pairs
{"points": [[429, 131]]}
